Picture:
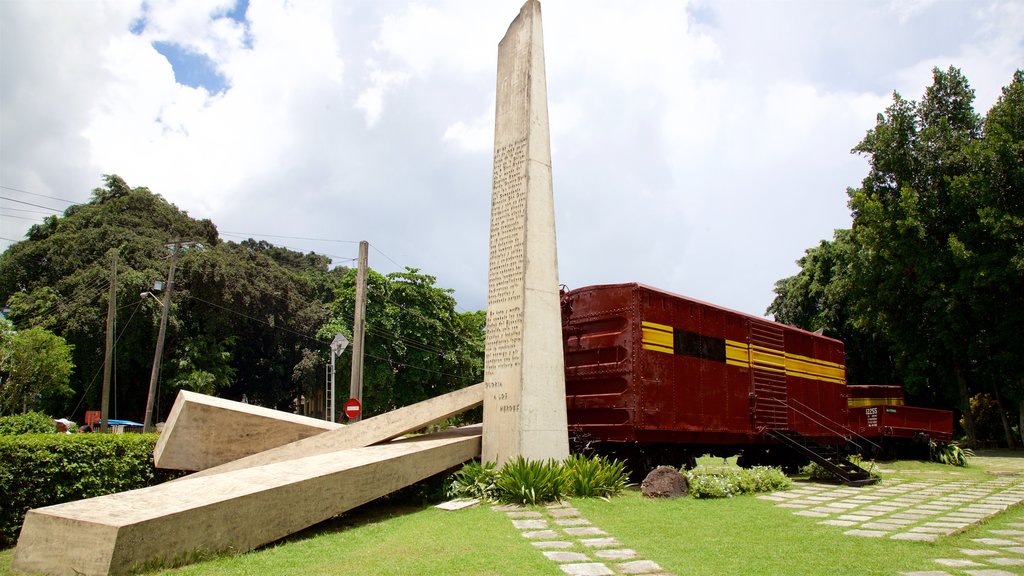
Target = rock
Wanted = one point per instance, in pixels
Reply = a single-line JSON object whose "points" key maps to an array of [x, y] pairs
{"points": [[665, 482]]}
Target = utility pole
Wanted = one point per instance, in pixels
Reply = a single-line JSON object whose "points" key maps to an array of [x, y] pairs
{"points": [[147, 424], [109, 356], [359, 327]]}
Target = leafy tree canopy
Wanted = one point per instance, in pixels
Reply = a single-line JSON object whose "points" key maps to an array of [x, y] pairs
{"points": [[930, 276]]}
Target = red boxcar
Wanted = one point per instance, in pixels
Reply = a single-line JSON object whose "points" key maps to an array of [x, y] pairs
{"points": [[664, 378]]}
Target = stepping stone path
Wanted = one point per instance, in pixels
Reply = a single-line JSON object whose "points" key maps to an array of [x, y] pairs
{"points": [[922, 511], [578, 547]]}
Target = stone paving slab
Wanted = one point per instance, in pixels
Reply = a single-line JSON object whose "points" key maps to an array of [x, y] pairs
{"points": [[524, 514], [866, 533], [560, 556], [915, 536], [989, 573], [994, 541], [537, 534], [563, 512], [1006, 561], [530, 524], [957, 562], [572, 522], [616, 554], [600, 542], [639, 567], [553, 544], [585, 531], [586, 569]]}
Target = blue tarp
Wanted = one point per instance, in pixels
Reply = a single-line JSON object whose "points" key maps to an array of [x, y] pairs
{"points": [[113, 422]]}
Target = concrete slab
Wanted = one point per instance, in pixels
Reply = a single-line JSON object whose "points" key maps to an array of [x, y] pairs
{"points": [[585, 531], [639, 567], [978, 552], [541, 534], [519, 514], [560, 556], [458, 504], [600, 542], [203, 431], [1006, 561], [534, 524], [866, 533], [238, 511], [957, 562], [616, 554], [586, 569], [552, 544], [365, 432], [915, 536]]}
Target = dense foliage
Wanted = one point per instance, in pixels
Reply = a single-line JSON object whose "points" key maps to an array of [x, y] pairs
{"points": [[35, 367], [949, 453], [247, 320], [45, 469], [927, 288], [417, 345], [726, 483], [524, 481], [27, 423]]}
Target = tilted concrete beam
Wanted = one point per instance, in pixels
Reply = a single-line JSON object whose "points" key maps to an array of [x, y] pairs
{"points": [[365, 432], [172, 523], [204, 431]]}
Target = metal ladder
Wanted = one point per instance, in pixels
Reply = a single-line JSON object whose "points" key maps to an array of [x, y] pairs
{"points": [[826, 457]]}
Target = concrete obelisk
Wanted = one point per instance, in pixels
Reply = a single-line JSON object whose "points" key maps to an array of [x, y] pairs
{"points": [[524, 399]]}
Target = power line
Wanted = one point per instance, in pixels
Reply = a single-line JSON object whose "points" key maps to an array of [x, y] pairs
{"points": [[31, 204], [254, 236], [37, 194]]}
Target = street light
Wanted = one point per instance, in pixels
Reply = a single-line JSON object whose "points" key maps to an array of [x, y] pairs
{"points": [[144, 294]]}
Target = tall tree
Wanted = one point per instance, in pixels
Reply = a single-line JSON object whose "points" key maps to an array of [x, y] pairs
{"points": [[243, 316], [35, 366], [933, 267], [417, 344]]}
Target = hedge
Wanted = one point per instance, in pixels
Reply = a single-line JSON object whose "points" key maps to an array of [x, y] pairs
{"points": [[44, 469]]}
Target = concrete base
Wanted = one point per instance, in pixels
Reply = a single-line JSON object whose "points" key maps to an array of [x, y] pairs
{"points": [[204, 431], [363, 433], [176, 522]]}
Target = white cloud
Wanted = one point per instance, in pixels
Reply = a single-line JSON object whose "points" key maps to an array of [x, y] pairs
{"points": [[697, 146]]}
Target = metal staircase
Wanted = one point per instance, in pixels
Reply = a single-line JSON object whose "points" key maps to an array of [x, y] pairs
{"points": [[825, 456]]}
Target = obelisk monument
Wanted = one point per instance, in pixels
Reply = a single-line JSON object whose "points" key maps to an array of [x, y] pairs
{"points": [[524, 398]]}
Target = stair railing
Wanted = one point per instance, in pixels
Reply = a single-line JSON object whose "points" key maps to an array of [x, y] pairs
{"points": [[827, 423]]}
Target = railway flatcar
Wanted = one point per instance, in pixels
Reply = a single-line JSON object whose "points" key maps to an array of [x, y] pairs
{"points": [[658, 378]]}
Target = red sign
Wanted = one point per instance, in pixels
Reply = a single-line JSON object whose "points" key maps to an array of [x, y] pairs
{"points": [[353, 408]]}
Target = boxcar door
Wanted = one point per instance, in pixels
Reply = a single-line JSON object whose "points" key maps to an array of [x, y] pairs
{"points": [[768, 376]]}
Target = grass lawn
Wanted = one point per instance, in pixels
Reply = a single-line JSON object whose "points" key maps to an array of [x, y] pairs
{"points": [[743, 535]]}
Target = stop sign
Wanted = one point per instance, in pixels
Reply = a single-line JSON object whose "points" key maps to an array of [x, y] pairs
{"points": [[353, 408]]}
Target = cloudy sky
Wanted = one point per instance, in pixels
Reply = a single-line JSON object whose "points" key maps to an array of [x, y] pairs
{"points": [[697, 146]]}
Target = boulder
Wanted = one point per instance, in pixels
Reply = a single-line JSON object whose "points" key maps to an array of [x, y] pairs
{"points": [[665, 482]]}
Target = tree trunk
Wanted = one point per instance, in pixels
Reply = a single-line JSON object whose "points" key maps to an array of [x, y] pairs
{"points": [[1002, 416], [965, 400], [1020, 420]]}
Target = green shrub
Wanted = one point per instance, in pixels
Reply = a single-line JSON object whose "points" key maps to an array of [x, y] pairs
{"points": [[599, 477], [718, 483], [45, 469], [532, 482], [28, 423], [949, 453], [525, 481], [474, 481]]}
